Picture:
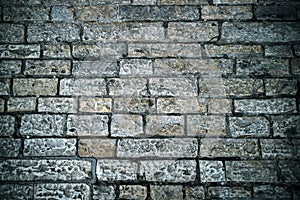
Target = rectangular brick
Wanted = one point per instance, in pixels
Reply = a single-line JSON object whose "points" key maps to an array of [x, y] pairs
{"points": [[47, 67], [206, 125], [249, 127], [278, 51], [211, 171], [232, 51], [84, 87], [229, 192], [67, 2], [103, 192], [4, 86], [213, 147], [297, 49], [2, 105], [290, 171], [281, 87], [181, 105], [7, 125], [158, 170], [265, 106], [166, 192], [21, 104], [41, 86], [19, 51], [134, 105], [295, 66], [183, 2], [100, 51], [234, 2], [61, 13], [42, 125], [95, 105], [102, 68], [18, 2], [276, 13], [251, 171], [136, 67], [87, 125], [28, 13], [133, 191], [49, 147], [96, 13], [157, 148], [271, 192], [126, 87], [10, 147], [16, 191], [57, 51], [278, 148], [99, 148], [194, 192], [126, 125], [219, 106], [9, 68], [11, 33], [211, 12], [57, 104], [286, 126], [47, 170], [258, 32], [165, 125]]}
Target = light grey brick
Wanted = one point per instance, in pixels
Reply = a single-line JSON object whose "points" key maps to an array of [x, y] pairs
{"points": [[166, 192], [271, 192], [126, 125], [278, 51], [57, 104], [95, 105], [100, 51], [183, 2], [126, 87], [11, 33], [104, 13], [207, 125], [57, 51], [103, 192], [280, 86], [47, 67], [102, 68], [4, 86], [10, 147], [7, 125], [286, 126], [21, 104], [28, 13], [16, 191], [221, 192], [278, 148], [234, 2], [164, 125], [20, 51], [99, 148], [84, 87], [211, 171], [137, 192], [134, 105], [40, 86], [10, 67], [211, 12], [194, 192], [136, 67], [61, 13], [290, 171], [232, 51], [219, 106]]}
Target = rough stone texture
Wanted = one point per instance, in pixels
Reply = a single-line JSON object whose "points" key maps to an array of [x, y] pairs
{"points": [[47, 67], [133, 192], [127, 87], [100, 148], [134, 105], [278, 148], [220, 192], [4, 86], [295, 66], [34, 13], [232, 51], [10, 147], [183, 2], [101, 68], [219, 106], [275, 12], [286, 126], [96, 13], [21, 104], [61, 13], [278, 51], [280, 87], [10, 67], [234, 2], [95, 105], [10, 33], [157, 148], [226, 12], [271, 192], [212, 171], [126, 125], [290, 171], [19, 51], [15, 191], [27, 87], [181, 105], [86, 87], [57, 105], [57, 51], [103, 192], [7, 125], [2, 105], [136, 67], [47, 170], [168, 170], [207, 125], [165, 125], [194, 192], [166, 192]]}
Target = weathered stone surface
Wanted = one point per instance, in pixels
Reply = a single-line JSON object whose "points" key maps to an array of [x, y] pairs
{"points": [[96, 13], [55, 170], [136, 67], [87, 125], [211, 171], [19, 51], [57, 105], [7, 125], [234, 2], [42, 125], [192, 31], [143, 2], [219, 106], [41, 86], [100, 51], [84, 87], [251, 171], [155, 13], [10, 67], [271, 192], [275, 12], [181, 105], [219, 192], [168, 170], [226, 12], [164, 125], [21, 104], [166, 192], [290, 171], [286, 126], [295, 66], [103, 192], [1, 105], [249, 127], [280, 86], [278, 51], [126, 87], [4, 86], [89, 69], [134, 105], [183, 2], [15, 191], [20, 2], [47, 67], [114, 170], [194, 192], [297, 50], [21, 13], [267, 106], [126, 125], [99, 148], [49, 147], [61, 13], [278, 148], [95, 105], [10, 33], [208, 125], [137, 192], [10, 147], [184, 147], [57, 51], [62, 191], [173, 86], [232, 51], [214, 147]]}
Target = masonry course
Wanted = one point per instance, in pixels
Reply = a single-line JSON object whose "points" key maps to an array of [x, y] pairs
{"points": [[149, 99]]}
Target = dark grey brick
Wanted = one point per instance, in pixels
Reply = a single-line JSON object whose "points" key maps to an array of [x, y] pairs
{"points": [[290, 171], [223, 192], [16, 191], [32, 13], [249, 127], [103, 192], [10, 67], [10, 147], [7, 125], [286, 126], [271, 192], [271, 12], [11, 33]]}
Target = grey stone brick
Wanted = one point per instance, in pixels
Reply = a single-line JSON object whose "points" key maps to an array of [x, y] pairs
{"points": [[183, 2], [67, 2], [184, 147], [259, 32], [166, 192], [297, 50], [194, 192], [278, 148], [181, 105], [99, 148], [87, 125], [137, 192], [214, 147], [4, 86], [19, 51], [62, 191], [161, 13], [10, 67], [11, 33], [267, 106], [85, 87], [57, 104], [249, 127], [103, 192], [278, 51], [7, 125], [114, 170], [53, 32], [125, 87], [27, 87], [1, 105], [47, 67], [144, 2], [126, 125], [234, 2], [102, 68], [212, 171], [295, 66], [42, 125], [16, 191], [270, 12], [207, 125], [57, 51], [173, 87], [164, 125], [286, 126], [61, 13], [95, 105], [10, 147], [28, 13], [232, 51], [21, 104], [136, 67], [219, 106], [220, 192], [280, 86], [134, 105], [271, 192], [290, 171], [49, 147], [210, 12], [47, 170], [168, 170], [251, 171], [20, 2], [96, 13]]}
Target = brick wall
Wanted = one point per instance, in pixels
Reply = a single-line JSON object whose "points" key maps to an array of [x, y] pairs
{"points": [[149, 99]]}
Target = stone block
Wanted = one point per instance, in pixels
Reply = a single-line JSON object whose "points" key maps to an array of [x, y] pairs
{"points": [[183, 2], [96, 13], [206, 125], [166, 192], [144, 2], [99, 148], [295, 66], [10, 147], [136, 67], [42, 125], [57, 51], [168, 170], [234, 2], [95, 105], [102, 68], [116, 170], [126, 125], [251, 171], [217, 147], [137, 192], [11, 33], [169, 147], [281, 87], [49, 147], [290, 171], [286, 126], [4, 86], [278, 51], [220, 192], [87, 125], [297, 50], [45, 170], [82, 87], [57, 104], [271, 192], [232, 51], [134, 105], [20, 2], [219, 106], [20, 51], [212, 12], [212, 171], [61, 13], [7, 125], [16, 191], [125, 87], [278, 148], [47, 67], [10, 67], [103, 192], [194, 192], [275, 13], [165, 125], [2, 105], [40, 86], [21, 104], [28, 13]]}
